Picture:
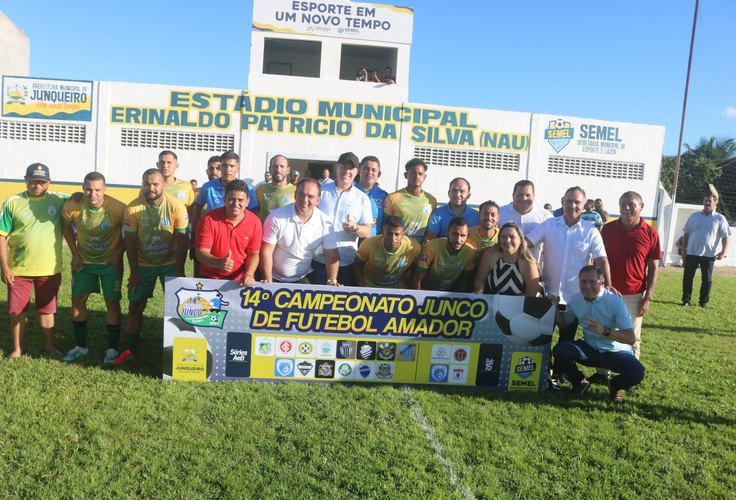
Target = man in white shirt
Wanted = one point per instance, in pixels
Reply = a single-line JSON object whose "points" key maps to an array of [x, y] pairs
{"points": [[524, 212]]}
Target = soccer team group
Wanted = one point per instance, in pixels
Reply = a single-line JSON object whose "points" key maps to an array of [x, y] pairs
{"points": [[346, 231]]}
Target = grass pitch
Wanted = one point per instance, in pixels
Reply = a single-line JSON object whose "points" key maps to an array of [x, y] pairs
{"points": [[81, 431]]}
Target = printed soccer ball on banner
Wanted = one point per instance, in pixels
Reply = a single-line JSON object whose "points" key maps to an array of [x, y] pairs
{"points": [[176, 327], [526, 321]]}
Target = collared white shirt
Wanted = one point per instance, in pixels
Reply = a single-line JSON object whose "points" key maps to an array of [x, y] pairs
{"points": [[337, 205]]}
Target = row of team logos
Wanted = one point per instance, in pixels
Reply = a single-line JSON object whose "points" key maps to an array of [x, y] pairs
{"points": [[362, 350], [329, 369]]}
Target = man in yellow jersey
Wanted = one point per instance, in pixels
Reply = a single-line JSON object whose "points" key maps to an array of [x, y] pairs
{"points": [[411, 203], [386, 261], [155, 227], [446, 263], [180, 189], [277, 192], [485, 234], [97, 259], [30, 255]]}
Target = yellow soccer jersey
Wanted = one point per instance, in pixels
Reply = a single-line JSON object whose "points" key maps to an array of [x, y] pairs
{"points": [[384, 269], [271, 197], [99, 230], [443, 268], [414, 210], [479, 243], [33, 230], [156, 228], [182, 191]]}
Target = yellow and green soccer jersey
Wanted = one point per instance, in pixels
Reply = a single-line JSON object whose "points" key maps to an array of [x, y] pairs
{"points": [[99, 230], [156, 228], [384, 269], [443, 268], [33, 229], [414, 210], [182, 191], [480, 243], [271, 197]]}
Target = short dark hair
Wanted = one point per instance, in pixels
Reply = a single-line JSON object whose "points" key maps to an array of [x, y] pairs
{"points": [[457, 179], [370, 158], [229, 155], [166, 152], [457, 221], [151, 171], [591, 267], [215, 158], [522, 184], [414, 162], [393, 221], [93, 176], [489, 203], [237, 185], [576, 188], [305, 180], [277, 156]]}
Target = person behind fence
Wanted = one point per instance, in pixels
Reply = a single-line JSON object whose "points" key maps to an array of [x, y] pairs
{"points": [[387, 260], [291, 236], [97, 260], [30, 256], [508, 268], [608, 334], [156, 243], [228, 238], [446, 264]]}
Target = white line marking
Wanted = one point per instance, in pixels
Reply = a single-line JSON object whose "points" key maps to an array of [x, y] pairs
{"points": [[421, 419]]}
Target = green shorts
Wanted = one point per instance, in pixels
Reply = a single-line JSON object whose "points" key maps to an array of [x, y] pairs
{"points": [[88, 279], [150, 274]]}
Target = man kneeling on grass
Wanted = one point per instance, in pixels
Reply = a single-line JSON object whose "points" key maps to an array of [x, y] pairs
{"points": [[607, 336]]}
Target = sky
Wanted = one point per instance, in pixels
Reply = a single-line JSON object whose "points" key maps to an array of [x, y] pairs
{"points": [[619, 61]]}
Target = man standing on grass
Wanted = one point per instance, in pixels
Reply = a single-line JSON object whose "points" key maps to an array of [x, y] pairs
{"points": [[278, 191], [412, 203], [97, 259], [156, 243], [446, 264], [30, 256], [370, 171], [386, 261], [439, 221], [703, 231], [228, 238], [607, 336]]}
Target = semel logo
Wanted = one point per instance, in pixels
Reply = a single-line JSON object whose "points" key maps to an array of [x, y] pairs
{"points": [[559, 133], [526, 367]]}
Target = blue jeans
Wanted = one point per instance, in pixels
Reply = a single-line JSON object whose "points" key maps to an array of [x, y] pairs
{"points": [[692, 262], [568, 354]]}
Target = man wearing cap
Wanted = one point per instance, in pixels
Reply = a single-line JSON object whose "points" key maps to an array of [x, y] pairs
{"points": [[370, 171], [351, 218], [278, 191], [30, 255], [294, 177]]}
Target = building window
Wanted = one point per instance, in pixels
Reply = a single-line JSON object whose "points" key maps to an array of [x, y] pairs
{"points": [[292, 57]]}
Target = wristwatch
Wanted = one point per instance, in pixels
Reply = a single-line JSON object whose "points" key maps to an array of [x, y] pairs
{"points": [[607, 331]]}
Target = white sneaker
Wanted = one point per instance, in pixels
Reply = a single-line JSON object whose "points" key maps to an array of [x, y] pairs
{"points": [[75, 354], [110, 354]]}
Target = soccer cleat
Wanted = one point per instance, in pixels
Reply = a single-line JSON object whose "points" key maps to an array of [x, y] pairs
{"points": [[124, 357], [76, 353], [110, 356]]}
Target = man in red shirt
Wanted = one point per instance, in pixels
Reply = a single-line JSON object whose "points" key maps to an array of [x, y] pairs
{"points": [[633, 252], [228, 238]]}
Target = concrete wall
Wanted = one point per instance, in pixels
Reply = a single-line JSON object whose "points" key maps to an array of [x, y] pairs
{"points": [[15, 49]]}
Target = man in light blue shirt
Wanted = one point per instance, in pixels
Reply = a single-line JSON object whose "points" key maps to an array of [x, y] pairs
{"points": [[370, 171], [439, 221], [608, 335]]}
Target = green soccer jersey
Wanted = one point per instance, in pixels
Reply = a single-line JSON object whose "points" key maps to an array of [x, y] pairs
{"points": [[182, 191], [414, 210], [442, 267], [384, 269], [271, 197], [480, 243], [99, 230], [33, 228], [156, 227]]}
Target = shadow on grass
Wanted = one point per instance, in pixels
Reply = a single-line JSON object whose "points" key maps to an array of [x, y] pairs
{"points": [[690, 329]]}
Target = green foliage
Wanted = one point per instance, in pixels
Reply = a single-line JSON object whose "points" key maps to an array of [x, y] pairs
{"points": [[81, 431]]}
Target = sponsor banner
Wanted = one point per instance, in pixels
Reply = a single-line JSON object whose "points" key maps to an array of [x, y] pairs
{"points": [[337, 18], [318, 333], [47, 99]]}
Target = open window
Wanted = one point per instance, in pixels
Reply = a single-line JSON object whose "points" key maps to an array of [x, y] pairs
{"points": [[292, 57], [370, 57]]}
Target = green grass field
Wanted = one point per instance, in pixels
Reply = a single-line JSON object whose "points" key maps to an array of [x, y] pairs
{"points": [[81, 431]]}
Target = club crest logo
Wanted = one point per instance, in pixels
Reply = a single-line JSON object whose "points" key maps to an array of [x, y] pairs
{"points": [[526, 367], [559, 133], [16, 93], [201, 307], [284, 367]]}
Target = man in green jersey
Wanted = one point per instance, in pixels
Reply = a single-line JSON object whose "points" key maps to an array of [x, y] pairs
{"points": [[278, 192], [412, 204], [30, 255], [155, 227], [445, 263], [182, 190], [97, 258], [386, 261]]}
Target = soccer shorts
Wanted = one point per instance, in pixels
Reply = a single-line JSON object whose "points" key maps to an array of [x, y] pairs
{"points": [[88, 280]]}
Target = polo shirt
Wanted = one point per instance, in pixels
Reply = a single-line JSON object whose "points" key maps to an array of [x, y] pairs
{"points": [[338, 205], [704, 232], [295, 241], [414, 210], [527, 222], [439, 221], [377, 196], [609, 310], [566, 251], [628, 253], [216, 233]]}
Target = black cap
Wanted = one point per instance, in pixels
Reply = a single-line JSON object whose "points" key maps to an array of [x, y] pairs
{"points": [[38, 171], [349, 158]]}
